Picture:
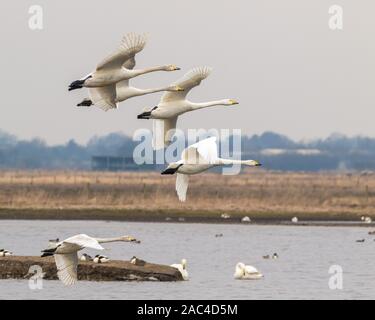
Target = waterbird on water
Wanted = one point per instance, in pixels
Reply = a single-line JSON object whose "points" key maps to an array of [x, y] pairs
{"points": [[274, 256], [66, 254], [246, 272], [295, 220], [197, 158]]}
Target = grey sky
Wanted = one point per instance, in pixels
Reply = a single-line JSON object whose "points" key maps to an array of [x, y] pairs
{"points": [[290, 72]]}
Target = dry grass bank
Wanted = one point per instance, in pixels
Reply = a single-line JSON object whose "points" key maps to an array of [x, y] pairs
{"points": [[256, 192]]}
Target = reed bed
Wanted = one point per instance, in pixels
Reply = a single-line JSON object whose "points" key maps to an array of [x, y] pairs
{"points": [[256, 192]]}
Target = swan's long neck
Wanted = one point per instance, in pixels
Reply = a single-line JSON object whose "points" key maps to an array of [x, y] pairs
{"points": [[220, 161], [138, 72], [106, 240], [141, 92], [196, 106]]}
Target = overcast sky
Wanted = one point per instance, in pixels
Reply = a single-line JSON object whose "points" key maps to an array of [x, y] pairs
{"points": [[290, 72]]}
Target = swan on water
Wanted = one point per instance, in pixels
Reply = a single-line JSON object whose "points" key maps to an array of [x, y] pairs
{"points": [[108, 97], [196, 159], [182, 268], [101, 259], [66, 253], [86, 257], [225, 216], [295, 220], [244, 272], [5, 253], [246, 219], [174, 104], [111, 70]]}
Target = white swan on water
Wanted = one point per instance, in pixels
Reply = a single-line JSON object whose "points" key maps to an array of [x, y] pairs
{"points": [[244, 272], [174, 104], [182, 268], [197, 158], [66, 254], [111, 70]]}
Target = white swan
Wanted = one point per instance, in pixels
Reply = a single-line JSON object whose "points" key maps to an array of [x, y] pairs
{"points": [[246, 219], [5, 253], [66, 257], [196, 159], [244, 272], [111, 69], [173, 104], [101, 259], [182, 268], [294, 220], [110, 96]]}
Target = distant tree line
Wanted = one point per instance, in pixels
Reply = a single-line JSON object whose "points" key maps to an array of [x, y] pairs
{"points": [[336, 152]]}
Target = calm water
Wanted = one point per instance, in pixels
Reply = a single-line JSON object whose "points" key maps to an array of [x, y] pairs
{"points": [[306, 253]]}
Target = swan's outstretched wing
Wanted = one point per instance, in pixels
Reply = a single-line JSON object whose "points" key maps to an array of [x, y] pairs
{"points": [[131, 44], [190, 80], [66, 265], [84, 241], [129, 64], [104, 97], [202, 152], [163, 131], [182, 183]]}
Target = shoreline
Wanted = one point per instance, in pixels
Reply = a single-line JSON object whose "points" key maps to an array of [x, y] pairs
{"points": [[180, 216]]}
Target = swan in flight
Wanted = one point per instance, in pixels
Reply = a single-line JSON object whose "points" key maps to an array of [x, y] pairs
{"points": [[111, 70], [174, 104], [182, 268], [244, 272], [5, 253], [66, 254], [100, 259], [196, 159], [110, 96]]}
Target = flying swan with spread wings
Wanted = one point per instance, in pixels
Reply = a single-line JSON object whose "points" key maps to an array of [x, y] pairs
{"points": [[197, 158], [66, 254], [113, 69], [109, 96], [174, 104]]}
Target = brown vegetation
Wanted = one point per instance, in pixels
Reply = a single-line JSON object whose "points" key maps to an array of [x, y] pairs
{"points": [[259, 193]]}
